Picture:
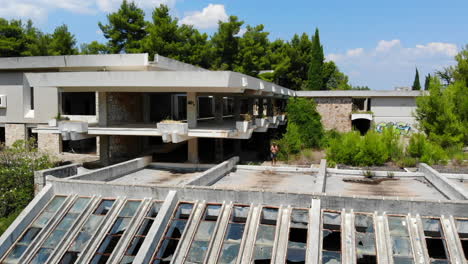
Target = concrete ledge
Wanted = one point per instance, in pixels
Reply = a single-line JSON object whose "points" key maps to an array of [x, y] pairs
{"points": [[58, 172], [321, 182], [444, 185], [180, 166], [25, 218], [377, 173], [115, 171], [214, 174], [277, 169]]}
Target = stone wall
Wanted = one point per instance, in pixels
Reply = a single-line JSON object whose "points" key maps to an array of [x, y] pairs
{"points": [[124, 108], [50, 143], [14, 132], [335, 113], [124, 147]]}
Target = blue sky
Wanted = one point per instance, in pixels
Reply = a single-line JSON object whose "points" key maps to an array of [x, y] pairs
{"points": [[376, 43]]}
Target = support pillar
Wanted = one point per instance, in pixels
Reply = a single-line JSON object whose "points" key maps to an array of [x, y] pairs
{"points": [[261, 107], [192, 110], [219, 109], [250, 106], [193, 150], [219, 150], [146, 108], [102, 109], [237, 109], [104, 152], [14, 132], [270, 108]]}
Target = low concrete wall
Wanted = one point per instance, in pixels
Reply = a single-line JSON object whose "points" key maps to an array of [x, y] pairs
{"points": [[115, 171], [321, 182], [180, 166], [277, 169], [214, 174], [58, 172], [444, 185]]}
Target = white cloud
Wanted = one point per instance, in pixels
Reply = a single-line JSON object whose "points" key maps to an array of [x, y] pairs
{"points": [[112, 5], [385, 45], [392, 64], [207, 18]]}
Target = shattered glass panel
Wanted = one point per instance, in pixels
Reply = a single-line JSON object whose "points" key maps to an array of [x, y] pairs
{"points": [[331, 220], [212, 212], [129, 209], [183, 211], [134, 246], [176, 229], [29, 236], [365, 244], [329, 257], [262, 252], [235, 232], [120, 226], [269, 216], [42, 256], [331, 240], [153, 212], [145, 227], [197, 252], [168, 247], [240, 214], [266, 234], [108, 245], [297, 238], [205, 230], [401, 246], [104, 207], [99, 259], [436, 248], [80, 242], [92, 223], [398, 226], [364, 223], [229, 253], [15, 253], [431, 227], [462, 228], [299, 219]]}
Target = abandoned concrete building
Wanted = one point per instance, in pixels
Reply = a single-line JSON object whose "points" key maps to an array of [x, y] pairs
{"points": [[142, 211], [122, 106], [362, 110]]}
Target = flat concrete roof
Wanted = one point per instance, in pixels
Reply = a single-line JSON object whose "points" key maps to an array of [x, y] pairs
{"points": [[359, 93], [269, 180], [158, 176]]}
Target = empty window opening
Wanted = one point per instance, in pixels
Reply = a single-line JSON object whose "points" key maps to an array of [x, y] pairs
{"points": [[139, 237], [204, 234], [361, 104], [31, 98], [366, 252], [175, 230], [234, 234], [87, 232], [84, 146], [401, 243], [32, 137], [435, 241], [266, 234], [29, 236], [331, 241], [116, 232], [462, 229], [362, 125], [79, 103], [2, 135], [205, 106], [58, 234], [298, 231]]}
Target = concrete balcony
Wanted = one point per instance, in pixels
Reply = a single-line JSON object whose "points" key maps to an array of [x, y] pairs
{"points": [[364, 115], [262, 124]]}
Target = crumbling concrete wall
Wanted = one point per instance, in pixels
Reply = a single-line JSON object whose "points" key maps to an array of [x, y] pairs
{"points": [[124, 108], [335, 113], [50, 143], [14, 132], [58, 172], [124, 147]]}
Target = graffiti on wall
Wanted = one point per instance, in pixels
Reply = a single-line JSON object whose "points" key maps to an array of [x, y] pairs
{"points": [[400, 127]]}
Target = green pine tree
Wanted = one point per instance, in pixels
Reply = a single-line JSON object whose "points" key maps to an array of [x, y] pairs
{"points": [[416, 84], [315, 77], [63, 42], [427, 82], [226, 44]]}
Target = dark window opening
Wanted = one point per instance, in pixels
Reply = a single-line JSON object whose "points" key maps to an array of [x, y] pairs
{"points": [[84, 146], [234, 234], [462, 229], [205, 107], [361, 125], [435, 241], [331, 240], [31, 98], [359, 104], [436, 248], [365, 239], [298, 232], [367, 259], [79, 103], [31, 136], [266, 234], [2, 134]]}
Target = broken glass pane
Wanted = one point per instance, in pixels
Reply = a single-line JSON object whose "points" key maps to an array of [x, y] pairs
{"points": [[401, 246], [176, 229], [364, 223], [365, 243], [331, 257], [299, 219], [167, 249], [16, 253], [134, 246], [366, 259], [229, 253], [197, 252], [130, 208], [331, 240], [205, 230], [297, 238], [92, 223], [80, 242], [212, 212], [99, 259], [398, 226], [108, 244], [462, 228], [331, 220], [104, 207], [266, 234], [262, 252], [29, 236], [69, 258], [120, 226], [145, 227], [153, 212], [431, 227], [240, 214], [235, 232], [269, 216], [183, 211], [436, 248]]}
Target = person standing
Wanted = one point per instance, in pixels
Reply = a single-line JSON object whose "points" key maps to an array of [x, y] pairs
{"points": [[274, 149]]}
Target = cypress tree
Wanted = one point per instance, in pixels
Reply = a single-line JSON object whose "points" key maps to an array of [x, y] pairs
{"points": [[427, 82], [416, 84], [315, 77]]}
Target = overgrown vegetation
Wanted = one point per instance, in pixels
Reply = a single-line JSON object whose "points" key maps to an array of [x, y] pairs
{"points": [[17, 166]]}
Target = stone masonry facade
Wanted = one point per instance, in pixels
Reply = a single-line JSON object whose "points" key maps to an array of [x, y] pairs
{"points": [[335, 113], [124, 108], [14, 132], [50, 143]]}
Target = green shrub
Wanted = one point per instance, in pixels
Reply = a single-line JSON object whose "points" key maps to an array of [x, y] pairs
{"points": [[392, 141], [291, 143], [372, 150], [405, 162], [302, 112], [416, 145], [328, 136], [342, 150], [426, 151]]}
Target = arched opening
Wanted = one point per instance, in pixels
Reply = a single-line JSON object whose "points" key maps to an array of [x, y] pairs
{"points": [[362, 125]]}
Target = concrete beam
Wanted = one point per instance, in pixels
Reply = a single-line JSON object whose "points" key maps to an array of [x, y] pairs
{"points": [[383, 248], [444, 185], [214, 174], [282, 236], [214, 250], [314, 241], [321, 180], [250, 235], [348, 241], [451, 239]]}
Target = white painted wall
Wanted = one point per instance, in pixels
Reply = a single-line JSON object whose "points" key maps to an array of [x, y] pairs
{"points": [[394, 109]]}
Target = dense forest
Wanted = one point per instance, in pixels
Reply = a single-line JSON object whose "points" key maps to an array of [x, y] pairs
{"points": [[298, 63]]}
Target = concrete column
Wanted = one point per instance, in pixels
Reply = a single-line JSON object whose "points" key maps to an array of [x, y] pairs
{"points": [[219, 150], [193, 150], [14, 132], [270, 110], [102, 109], [104, 153], [192, 110], [261, 107], [219, 108], [50, 143], [237, 108], [146, 108]]}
